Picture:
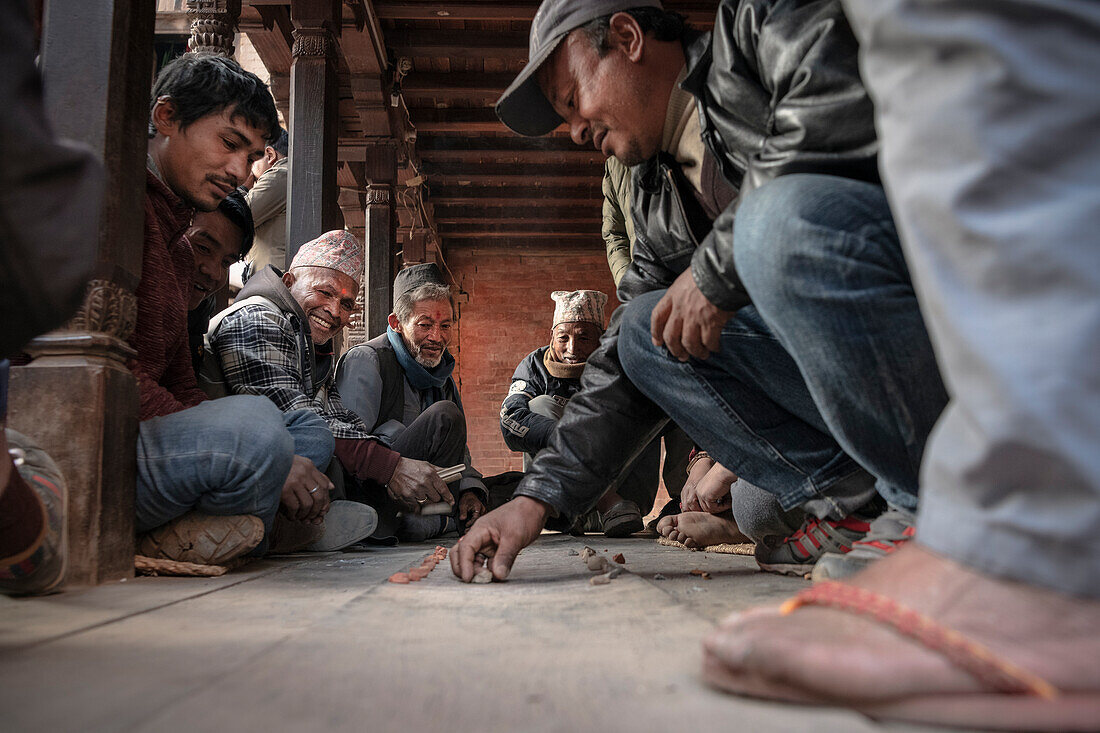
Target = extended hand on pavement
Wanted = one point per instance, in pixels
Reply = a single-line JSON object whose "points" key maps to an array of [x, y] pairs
{"points": [[685, 322], [415, 483], [498, 537]]}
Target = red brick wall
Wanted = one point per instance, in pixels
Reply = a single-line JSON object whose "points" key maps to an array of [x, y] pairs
{"points": [[505, 313]]}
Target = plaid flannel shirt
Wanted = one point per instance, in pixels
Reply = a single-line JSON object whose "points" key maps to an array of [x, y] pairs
{"points": [[259, 353]]}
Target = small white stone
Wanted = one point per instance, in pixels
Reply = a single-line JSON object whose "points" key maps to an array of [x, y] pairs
{"points": [[597, 563]]}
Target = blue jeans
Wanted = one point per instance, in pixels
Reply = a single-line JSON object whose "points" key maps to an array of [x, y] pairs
{"points": [[223, 457], [829, 371]]}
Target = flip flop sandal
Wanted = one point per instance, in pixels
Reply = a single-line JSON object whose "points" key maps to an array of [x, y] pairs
{"points": [[1017, 699]]}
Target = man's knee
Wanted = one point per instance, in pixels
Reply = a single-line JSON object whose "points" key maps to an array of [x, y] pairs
{"points": [[546, 406], [447, 416], [795, 230], [635, 343], [312, 436], [261, 422], [240, 412]]}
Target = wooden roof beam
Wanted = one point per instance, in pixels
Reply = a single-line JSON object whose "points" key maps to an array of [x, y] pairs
{"points": [[455, 86], [268, 29], [523, 229], [456, 120], [464, 45], [591, 243], [474, 178], [463, 120], [472, 214], [531, 171], [699, 13], [516, 196], [577, 157], [506, 142]]}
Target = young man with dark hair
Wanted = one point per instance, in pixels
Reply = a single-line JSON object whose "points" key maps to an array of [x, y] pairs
{"points": [[218, 239], [799, 359], [211, 473]]}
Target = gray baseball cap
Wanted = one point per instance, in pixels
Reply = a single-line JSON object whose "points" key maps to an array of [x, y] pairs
{"points": [[523, 107]]}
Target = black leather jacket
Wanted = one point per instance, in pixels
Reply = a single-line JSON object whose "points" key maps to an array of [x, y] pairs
{"points": [[778, 92]]}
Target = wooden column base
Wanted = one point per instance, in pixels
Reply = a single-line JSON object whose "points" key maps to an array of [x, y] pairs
{"points": [[81, 407]]}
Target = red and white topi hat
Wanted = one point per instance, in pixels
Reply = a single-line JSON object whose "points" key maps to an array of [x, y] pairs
{"points": [[337, 250]]}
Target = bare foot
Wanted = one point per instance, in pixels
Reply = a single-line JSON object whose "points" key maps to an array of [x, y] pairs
{"points": [[818, 654], [700, 529]]}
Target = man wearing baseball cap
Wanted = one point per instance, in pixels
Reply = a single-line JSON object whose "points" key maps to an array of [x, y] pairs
{"points": [[799, 357]]}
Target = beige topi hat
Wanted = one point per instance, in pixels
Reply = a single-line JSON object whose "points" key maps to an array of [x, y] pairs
{"points": [[578, 305]]}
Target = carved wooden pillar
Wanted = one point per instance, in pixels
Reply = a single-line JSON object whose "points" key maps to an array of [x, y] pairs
{"points": [[213, 25], [312, 195], [381, 229], [77, 398]]}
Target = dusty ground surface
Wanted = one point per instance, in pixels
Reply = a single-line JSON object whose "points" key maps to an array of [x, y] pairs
{"points": [[324, 643]]}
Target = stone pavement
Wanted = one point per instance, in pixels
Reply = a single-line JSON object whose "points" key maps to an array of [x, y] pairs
{"points": [[325, 643]]}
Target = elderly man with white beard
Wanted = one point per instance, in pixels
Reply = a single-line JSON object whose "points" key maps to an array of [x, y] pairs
{"points": [[400, 385]]}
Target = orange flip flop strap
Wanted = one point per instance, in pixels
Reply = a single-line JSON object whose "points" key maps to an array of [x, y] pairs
{"points": [[988, 668]]}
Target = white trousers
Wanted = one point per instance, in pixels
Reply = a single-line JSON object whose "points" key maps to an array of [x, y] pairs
{"points": [[989, 115]]}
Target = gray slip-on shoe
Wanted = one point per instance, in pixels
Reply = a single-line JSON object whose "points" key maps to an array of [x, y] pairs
{"points": [[346, 523]]}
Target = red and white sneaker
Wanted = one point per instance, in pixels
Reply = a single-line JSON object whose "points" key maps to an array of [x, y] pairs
{"points": [[889, 532], [798, 553], [41, 568]]}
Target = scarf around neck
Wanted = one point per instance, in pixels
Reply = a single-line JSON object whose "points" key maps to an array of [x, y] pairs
{"points": [[429, 382], [560, 369]]}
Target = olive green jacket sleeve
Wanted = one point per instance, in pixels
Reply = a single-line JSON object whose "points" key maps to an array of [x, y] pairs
{"points": [[618, 225]]}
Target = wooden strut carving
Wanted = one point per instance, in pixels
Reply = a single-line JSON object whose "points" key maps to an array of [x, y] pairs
{"points": [[357, 329], [312, 42], [108, 308], [213, 25], [378, 194]]}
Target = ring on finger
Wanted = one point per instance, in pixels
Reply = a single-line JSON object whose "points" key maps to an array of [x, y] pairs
{"points": [[314, 489]]}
